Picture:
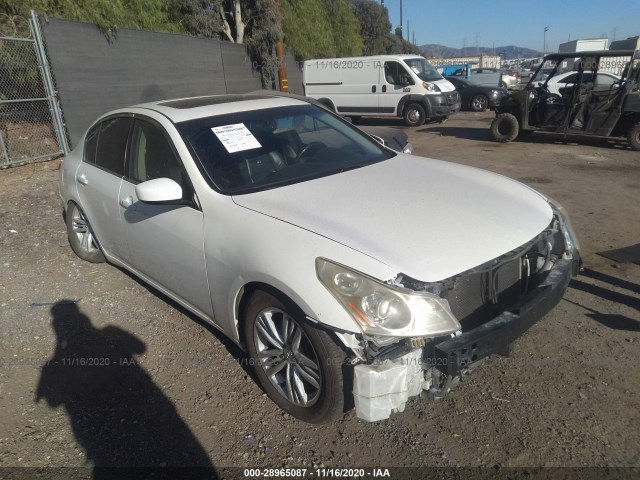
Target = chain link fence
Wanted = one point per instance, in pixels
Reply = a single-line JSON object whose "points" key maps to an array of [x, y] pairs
{"points": [[31, 126]]}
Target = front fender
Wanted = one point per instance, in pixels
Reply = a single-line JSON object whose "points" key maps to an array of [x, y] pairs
{"points": [[421, 99], [244, 247]]}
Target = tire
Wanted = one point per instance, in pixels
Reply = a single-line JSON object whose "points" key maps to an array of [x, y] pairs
{"points": [[414, 115], [553, 98], [81, 237], [634, 136], [479, 103], [504, 128], [306, 380]]}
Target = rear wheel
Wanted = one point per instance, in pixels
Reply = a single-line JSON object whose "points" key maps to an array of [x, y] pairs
{"points": [[81, 237], [634, 136], [299, 366], [414, 115], [504, 128]]}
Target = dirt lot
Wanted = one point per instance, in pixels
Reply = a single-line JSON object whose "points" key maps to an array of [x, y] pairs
{"points": [[570, 395]]}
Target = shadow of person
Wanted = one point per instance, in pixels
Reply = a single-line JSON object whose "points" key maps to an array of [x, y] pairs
{"points": [[117, 413]]}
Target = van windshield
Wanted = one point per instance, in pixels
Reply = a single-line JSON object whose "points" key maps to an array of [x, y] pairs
{"points": [[425, 71]]}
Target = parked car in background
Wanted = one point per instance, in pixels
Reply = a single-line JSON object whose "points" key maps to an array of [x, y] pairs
{"points": [[477, 97], [510, 79], [486, 76], [332, 260], [601, 81]]}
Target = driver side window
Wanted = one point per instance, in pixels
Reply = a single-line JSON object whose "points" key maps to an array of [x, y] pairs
{"points": [[395, 74], [152, 156]]}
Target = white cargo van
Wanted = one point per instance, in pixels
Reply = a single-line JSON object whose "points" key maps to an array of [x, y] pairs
{"points": [[387, 85]]}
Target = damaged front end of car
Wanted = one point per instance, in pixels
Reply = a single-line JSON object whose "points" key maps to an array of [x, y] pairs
{"points": [[427, 336]]}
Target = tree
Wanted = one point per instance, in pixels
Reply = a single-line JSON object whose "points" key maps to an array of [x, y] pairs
{"points": [[374, 26], [109, 15], [263, 33], [199, 17], [396, 44], [255, 23], [345, 28], [375, 29], [307, 29]]}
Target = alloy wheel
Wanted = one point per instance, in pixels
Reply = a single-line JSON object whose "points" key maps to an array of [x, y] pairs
{"points": [[83, 231], [287, 356]]}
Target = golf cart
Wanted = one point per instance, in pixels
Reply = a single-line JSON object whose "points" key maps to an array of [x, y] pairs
{"points": [[588, 106]]}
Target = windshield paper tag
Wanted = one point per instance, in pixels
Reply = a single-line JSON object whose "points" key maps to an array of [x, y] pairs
{"points": [[236, 138]]}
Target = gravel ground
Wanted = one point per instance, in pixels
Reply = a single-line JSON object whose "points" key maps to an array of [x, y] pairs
{"points": [[568, 397]]}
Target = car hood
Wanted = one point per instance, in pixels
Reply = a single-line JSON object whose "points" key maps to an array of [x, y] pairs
{"points": [[426, 218]]}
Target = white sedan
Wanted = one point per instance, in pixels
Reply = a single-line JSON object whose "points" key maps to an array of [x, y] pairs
{"points": [[349, 272], [603, 80]]}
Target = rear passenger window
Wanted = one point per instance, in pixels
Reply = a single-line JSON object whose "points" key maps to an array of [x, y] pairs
{"points": [[112, 144], [91, 144]]}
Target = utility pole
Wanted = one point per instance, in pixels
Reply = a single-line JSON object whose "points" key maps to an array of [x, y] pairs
{"points": [[544, 41], [401, 36], [408, 30], [280, 54]]}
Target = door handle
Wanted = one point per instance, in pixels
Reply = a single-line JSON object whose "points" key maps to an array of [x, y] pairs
{"points": [[384, 88], [373, 89], [82, 178], [126, 202]]}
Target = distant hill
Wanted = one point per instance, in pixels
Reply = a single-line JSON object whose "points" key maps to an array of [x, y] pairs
{"points": [[508, 52]]}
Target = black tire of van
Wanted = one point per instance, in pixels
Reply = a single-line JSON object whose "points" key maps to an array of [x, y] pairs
{"points": [[504, 128], [414, 115]]}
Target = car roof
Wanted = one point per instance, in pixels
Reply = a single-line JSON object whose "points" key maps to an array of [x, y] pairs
{"points": [[183, 109], [593, 53], [571, 72]]}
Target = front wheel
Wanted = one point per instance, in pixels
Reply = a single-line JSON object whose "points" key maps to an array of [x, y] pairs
{"points": [[479, 103], [414, 115], [299, 366], [504, 128], [634, 136]]}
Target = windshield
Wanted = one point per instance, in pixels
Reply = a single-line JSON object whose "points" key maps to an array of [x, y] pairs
{"points": [[425, 71], [260, 149]]}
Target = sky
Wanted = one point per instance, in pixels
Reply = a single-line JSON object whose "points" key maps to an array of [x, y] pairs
{"points": [[514, 22]]}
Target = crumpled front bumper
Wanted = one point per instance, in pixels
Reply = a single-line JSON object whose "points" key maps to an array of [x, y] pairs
{"points": [[497, 335], [381, 389]]}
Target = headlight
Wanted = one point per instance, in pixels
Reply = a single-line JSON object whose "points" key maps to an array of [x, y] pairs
{"points": [[381, 309], [408, 148], [430, 87], [495, 93], [570, 238]]}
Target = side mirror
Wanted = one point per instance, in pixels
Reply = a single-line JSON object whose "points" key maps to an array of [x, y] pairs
{"points": [[159, 190], [377, 139]]}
